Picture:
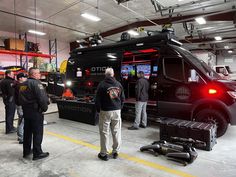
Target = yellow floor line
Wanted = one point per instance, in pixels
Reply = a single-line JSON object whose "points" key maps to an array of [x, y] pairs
{"points": [[125, 156]]}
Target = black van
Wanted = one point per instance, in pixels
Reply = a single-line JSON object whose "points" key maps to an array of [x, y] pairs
{"points": [[181, 86]]}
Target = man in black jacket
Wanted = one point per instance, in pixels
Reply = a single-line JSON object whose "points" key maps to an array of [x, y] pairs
{"points": [[141, 92], [109, 101], [8, 92], [34, 101]]}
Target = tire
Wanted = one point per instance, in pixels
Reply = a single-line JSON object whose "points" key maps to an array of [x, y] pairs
{"points": [[213, 116]]}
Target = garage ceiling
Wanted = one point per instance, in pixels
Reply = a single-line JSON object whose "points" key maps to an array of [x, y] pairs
{"points": [[62, 19]]}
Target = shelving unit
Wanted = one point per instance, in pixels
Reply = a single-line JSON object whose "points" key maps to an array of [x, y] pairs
{"points": [[32, 54]]}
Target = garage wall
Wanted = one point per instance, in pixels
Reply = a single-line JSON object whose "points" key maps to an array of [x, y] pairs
{"points": [[63, 50], [227, 60], [208, 57]]}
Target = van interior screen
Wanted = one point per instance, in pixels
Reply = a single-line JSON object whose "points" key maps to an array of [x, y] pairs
{"points": [[127, 71], [155, 68], [146, 68]]}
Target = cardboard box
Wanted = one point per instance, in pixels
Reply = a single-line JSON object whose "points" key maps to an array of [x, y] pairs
{"points": [[15, 44]]}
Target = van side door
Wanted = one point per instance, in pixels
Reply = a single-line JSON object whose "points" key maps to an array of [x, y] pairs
{"points": [[176, 91]]}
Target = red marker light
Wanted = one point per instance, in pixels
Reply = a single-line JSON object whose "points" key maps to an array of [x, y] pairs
{"points": [[128, 53], [147, 50], [87, 72], [89, 84], [212, 91]]}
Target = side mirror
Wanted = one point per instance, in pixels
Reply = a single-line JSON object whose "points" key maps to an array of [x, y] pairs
{"points": [[225, 72], [193, 76]]}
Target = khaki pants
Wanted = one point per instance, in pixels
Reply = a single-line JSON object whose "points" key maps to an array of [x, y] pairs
{"points": [[110, 120]]}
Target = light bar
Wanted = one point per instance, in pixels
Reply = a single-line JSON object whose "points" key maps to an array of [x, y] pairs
{"points": [[91, 17], [132, 32], [218, 38], [37, 32], [200, 20], [111, 56], [230, 51]]}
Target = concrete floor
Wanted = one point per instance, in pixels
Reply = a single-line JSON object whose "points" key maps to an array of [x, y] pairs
{"points": [[74, 147]]}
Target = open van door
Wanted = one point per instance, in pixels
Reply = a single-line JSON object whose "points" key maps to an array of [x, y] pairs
{"points": [[88, 68]]}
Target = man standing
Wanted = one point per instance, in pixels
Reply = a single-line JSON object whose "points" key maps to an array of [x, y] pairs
{"points": [[21, 77], [8, 93], [109, 101], [34, 101], [141, 92]]}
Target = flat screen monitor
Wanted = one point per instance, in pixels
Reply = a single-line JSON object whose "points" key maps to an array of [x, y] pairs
{"points": [[146, 68], [155, 68], [127, 71]]}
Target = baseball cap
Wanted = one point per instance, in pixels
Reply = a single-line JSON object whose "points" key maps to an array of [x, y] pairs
{"points": [[20, 75]]}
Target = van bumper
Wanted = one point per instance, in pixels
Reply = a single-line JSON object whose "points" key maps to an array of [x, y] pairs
{"points": [[232, 110]]}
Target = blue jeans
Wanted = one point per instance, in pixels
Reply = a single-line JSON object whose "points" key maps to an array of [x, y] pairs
{"points": [[20, 125], [140, 114]]}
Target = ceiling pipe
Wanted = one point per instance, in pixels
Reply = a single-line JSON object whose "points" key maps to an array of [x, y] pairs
{"points": [[142, 16], [188, 10], [227, 16], [189, 39], [179, 5], [213, 16], [196, 31], [217, 32], [158, 7]]}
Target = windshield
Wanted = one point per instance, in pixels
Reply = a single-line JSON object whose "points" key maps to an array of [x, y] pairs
{"points": [[200, 64]]}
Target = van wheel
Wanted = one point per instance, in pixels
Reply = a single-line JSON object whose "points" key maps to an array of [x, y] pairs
{"points": [[215, 117]]}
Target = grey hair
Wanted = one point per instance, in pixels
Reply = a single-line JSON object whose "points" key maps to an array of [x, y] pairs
{"points": [[32, 70], [109, 72]]}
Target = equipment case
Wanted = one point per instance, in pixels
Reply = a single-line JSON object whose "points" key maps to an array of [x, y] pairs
{"points": [[188, 129]]}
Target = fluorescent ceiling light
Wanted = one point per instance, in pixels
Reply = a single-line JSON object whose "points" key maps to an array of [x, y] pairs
{"points": [[200, 20], [91, 17], [218, 38], [37, 32], [132, 32], [226, 47], [230, 51]]}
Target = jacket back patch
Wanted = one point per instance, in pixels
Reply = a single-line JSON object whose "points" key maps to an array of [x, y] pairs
{"points": [[113, 92]]}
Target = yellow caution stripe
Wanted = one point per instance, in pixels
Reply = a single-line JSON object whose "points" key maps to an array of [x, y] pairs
{"points": [[124, 156]]}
